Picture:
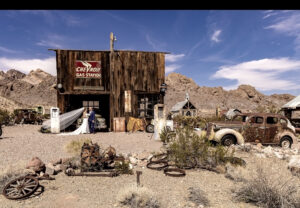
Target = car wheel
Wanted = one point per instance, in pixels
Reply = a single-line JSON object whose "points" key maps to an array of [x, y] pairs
{"points": [[286, 142], [150, 128], [228, 140]]}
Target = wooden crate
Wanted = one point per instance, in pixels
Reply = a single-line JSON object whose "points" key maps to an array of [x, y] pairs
{"points": [[119, 124]]}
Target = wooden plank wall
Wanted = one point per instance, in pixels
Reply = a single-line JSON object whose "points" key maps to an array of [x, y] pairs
{"points": [[66, 69], [130, 70]]}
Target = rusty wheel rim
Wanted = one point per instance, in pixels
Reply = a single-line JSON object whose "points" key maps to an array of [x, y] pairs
{"points": [[175, 172], [162, 164], [21, 187], [285, 144]]}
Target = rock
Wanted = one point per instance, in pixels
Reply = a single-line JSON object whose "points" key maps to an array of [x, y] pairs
{"points": [[294, 165], [279, 155], [70, 171], [268, 151], [260, 155], [143, 156], [133, 160], [58, 168], [50, 169], [220, 169], [56, 162], [259, 146], [36, 164]]}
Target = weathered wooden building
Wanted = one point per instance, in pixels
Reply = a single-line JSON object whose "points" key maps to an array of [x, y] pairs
{"points": [[114, 82]]}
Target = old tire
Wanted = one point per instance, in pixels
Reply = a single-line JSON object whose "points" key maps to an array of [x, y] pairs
{"points": [[150, 128], [286, 142], [228, 140]]}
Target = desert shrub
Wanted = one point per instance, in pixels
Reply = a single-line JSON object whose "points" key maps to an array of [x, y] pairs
{"points": [[166, 135], [123, 167], [12, 172], [5, 117], [187, 149], [198, 197], [74, 146], [194, 122], [135, 196], [270, 186]]}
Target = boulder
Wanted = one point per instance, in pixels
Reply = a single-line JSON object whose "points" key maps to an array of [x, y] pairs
{"points": [[36, 164], [294, 165], [133, 160], [268, 151]]}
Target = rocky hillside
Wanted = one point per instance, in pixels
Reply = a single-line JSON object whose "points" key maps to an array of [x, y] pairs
{"points": [[18, 90], [207, 99]]}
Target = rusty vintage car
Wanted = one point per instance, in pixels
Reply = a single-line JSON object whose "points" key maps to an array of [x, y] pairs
{"points": [[265, 128]]}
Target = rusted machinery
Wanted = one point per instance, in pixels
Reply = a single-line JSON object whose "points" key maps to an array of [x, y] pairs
{"points": [[93, 161]]}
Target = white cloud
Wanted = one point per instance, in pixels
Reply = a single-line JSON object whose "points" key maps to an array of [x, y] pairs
{"points": [[26, 65], [155, 44], [288, 24], [6, 50], [171, 68], [264, 74], [215, 36], [52, 40], [174, 57]]}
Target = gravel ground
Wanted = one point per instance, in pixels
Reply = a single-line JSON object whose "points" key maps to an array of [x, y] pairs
{"points": [[25, 142]]}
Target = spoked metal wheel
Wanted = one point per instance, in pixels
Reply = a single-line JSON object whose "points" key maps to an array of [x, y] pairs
{"points": [[21, 187]]}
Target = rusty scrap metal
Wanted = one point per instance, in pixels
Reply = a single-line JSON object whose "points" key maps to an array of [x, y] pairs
{"points": [[153, 165], [90, 157], [175, 172], [159, 157], [103, 174], [21, 187]]}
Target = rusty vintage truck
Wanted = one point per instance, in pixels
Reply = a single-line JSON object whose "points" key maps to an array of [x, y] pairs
{"points": [[265, 128]]}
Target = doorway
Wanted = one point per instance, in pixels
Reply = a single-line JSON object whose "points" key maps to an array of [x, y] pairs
{"points": [[99, 102]]}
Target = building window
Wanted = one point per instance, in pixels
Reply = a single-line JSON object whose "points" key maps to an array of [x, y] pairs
{"points": [[146, 104], [93, 104]]}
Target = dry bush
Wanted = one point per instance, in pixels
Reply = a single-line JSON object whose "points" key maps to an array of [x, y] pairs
{"points": [[187, 149], [236, 173], [74, 146], [270, 185], [11, 172], [198, 197], [123, 167], [134, 196]]}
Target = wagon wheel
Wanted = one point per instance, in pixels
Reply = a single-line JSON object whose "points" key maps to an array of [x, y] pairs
{"points": [[21, 187]]}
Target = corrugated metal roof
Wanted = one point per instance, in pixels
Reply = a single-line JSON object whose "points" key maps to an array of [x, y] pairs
{"points": [[179, 105], [293, 104]]}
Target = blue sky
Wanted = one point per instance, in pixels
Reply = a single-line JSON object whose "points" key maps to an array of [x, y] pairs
{"points": [[215, 48]]}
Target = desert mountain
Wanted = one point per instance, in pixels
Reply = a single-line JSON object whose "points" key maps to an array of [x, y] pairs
{"points": [[18, 90], [207, 99]]}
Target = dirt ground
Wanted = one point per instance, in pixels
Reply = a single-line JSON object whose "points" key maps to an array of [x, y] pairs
{"points": [[21, 143]]}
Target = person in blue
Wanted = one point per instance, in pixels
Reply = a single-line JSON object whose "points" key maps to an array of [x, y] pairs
{"points": [[92, 121]]}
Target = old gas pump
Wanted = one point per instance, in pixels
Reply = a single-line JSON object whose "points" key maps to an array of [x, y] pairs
{"points": [[159, 120], [55, 122]]}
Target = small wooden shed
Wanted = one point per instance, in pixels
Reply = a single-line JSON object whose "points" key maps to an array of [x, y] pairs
{"points": [[292, 112], [184, 108]]}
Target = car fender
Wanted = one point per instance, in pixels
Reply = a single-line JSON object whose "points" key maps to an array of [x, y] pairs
{"points": [[286, 133], [219, 135]]}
